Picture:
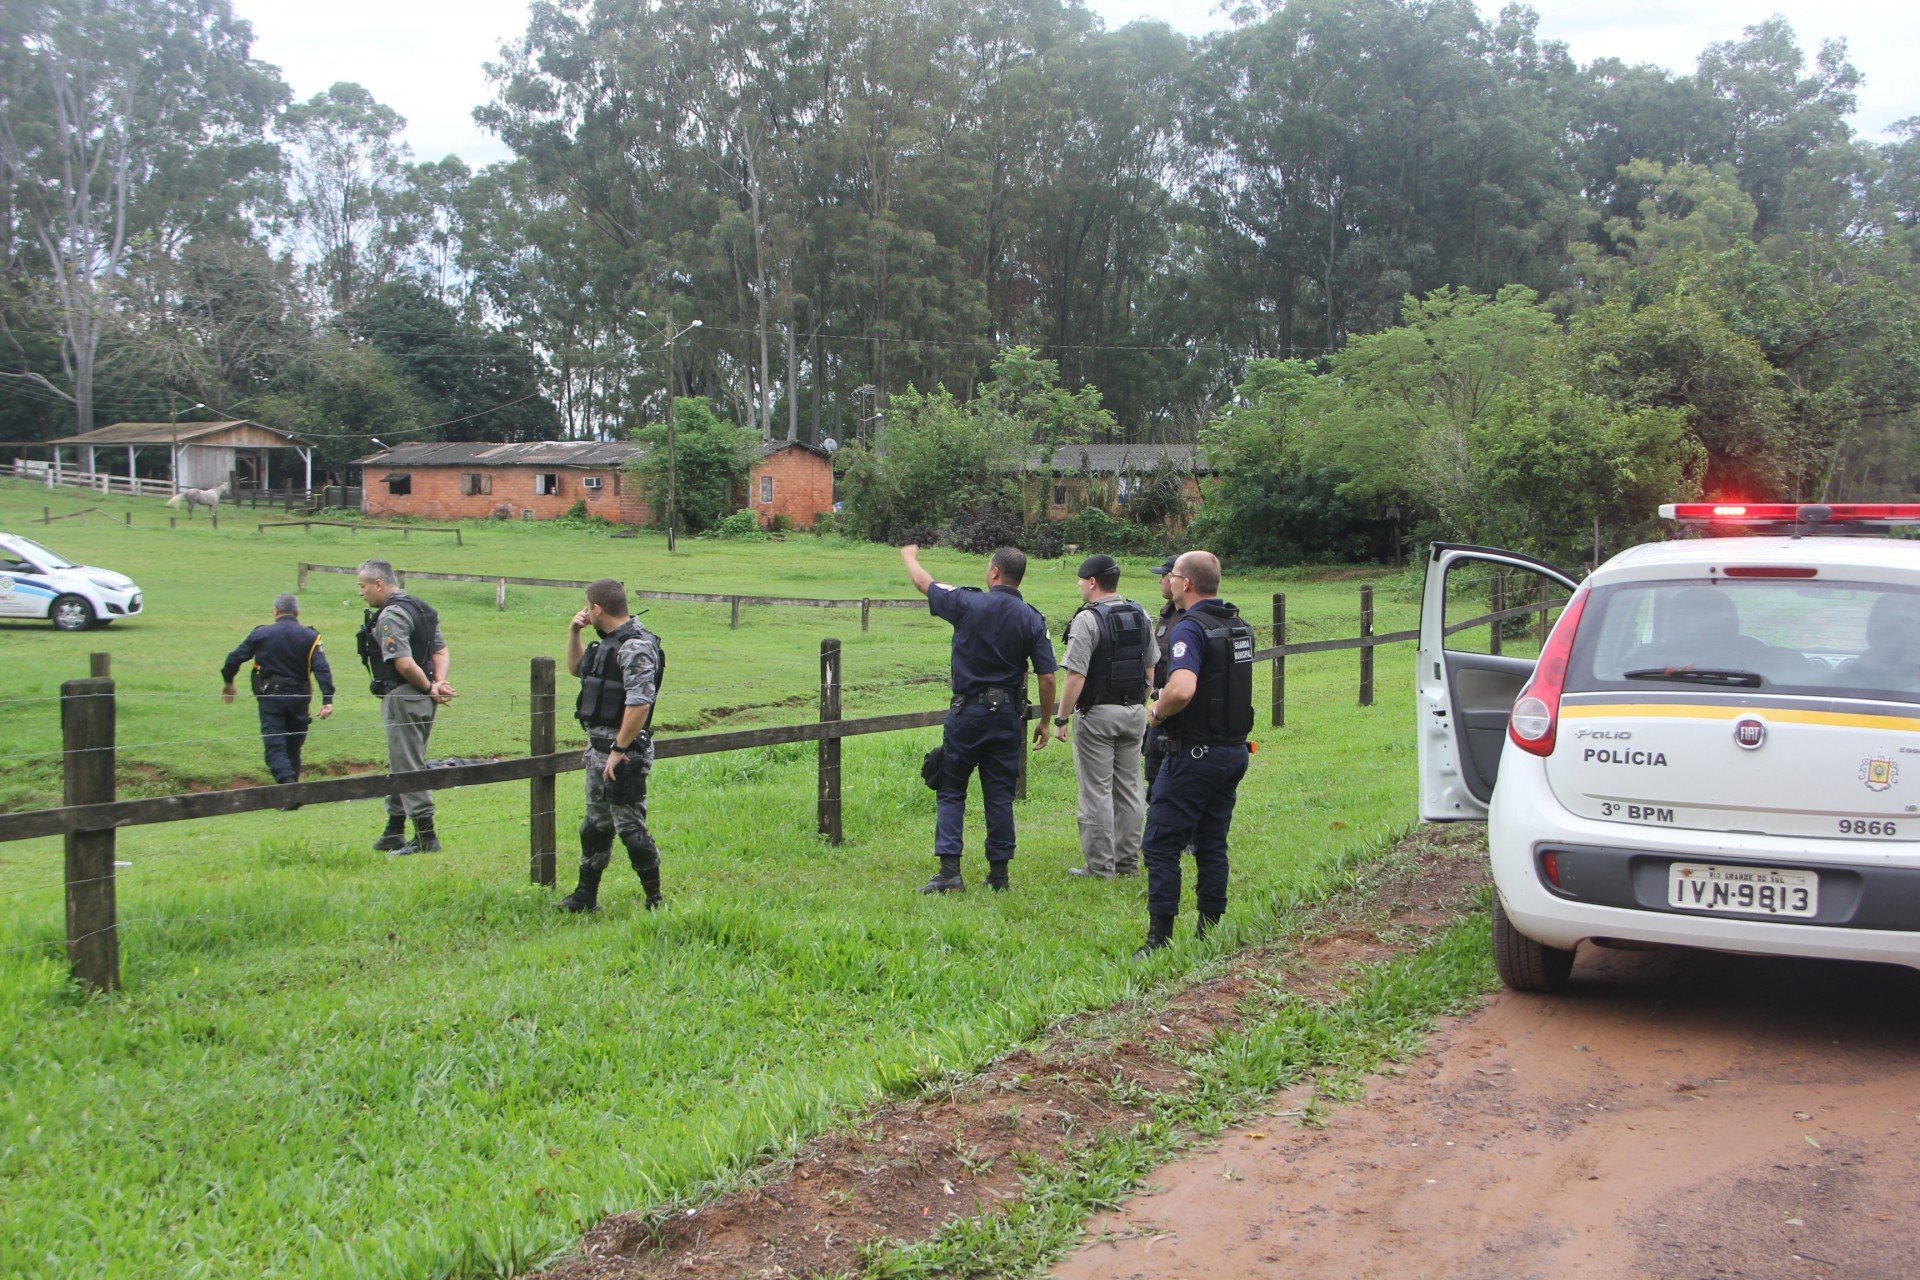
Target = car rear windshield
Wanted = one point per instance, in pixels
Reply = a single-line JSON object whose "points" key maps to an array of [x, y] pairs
{"points": [[1858, 640]]}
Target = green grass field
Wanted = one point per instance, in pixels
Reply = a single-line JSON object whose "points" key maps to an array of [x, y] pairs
{"points": [[327, 1062]]}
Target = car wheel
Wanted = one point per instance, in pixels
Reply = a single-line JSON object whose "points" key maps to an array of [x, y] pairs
{"points": [[71, 613], [1523, 964]]}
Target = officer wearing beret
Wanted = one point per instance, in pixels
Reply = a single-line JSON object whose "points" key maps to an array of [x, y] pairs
{"points": [[404, 652], [1109, 663], [1206, 709], [287, 662], [996, 636], [1155, 742], [619, 681]]}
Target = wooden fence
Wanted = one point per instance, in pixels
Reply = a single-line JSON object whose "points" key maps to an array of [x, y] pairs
{"points": [[90, 814], [501, 582]]}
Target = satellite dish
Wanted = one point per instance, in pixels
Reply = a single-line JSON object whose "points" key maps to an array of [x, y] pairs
{"points": [[829, 444]]}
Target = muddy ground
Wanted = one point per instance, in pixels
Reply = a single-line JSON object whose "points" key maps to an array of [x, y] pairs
{"points": [[1675, 1114]]}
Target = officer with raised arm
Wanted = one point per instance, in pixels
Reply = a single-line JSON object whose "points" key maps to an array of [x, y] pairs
{"points": [[620, 675], [401, 645], [1206, 709], [1109, 663], [287, 662], [997, 635]]}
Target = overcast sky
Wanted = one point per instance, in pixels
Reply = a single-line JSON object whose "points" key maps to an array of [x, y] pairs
{"points": [[423, 57]]}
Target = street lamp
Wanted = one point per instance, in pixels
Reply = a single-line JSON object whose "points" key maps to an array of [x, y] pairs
{"points": [[673, 462]]}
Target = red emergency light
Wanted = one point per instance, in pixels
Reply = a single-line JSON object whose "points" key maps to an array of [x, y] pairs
{"points": [[1805, 515]]}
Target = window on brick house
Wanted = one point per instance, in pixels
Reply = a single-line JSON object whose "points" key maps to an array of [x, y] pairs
{"points": [[475, 483], [1059, 495], [766, 489], [546, 482], [399, 486]]}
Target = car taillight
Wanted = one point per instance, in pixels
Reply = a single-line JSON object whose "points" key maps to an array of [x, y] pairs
{"points": [[1534, 722], [1550, 865]]}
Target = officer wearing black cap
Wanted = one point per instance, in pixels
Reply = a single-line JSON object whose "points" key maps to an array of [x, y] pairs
{"points": [[1206, 709], [1109, 663], [287, 662], [996, 636], [1155, 743]]}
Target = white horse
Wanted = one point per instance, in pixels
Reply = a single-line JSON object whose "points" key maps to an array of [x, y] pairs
{"points": [[208, 498]]}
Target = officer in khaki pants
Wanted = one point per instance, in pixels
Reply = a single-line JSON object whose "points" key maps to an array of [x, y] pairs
{"points": [[1109, 664]]}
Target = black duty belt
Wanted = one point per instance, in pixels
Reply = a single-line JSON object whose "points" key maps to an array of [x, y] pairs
{"points": [[995, 699], [277, 689], [1120, 702]]}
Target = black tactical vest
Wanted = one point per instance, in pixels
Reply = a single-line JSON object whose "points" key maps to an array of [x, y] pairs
{"points": [[1170, 613], [603, 685], [1117, 671], [1221, 712], [419, 643]]}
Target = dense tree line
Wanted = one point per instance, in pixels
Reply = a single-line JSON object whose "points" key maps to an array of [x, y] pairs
{"points": [[1379, 255]]}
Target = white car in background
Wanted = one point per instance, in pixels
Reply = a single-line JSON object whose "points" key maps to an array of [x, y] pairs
{"points": [[38, 583], [1719, 745]]}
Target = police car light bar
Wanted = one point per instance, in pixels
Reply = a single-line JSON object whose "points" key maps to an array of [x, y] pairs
{"points": [[1796, 513]]}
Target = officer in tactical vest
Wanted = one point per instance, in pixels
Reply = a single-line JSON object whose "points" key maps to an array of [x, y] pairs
{"points": [[1206, 708], [401, 645], [996, 636], [1109, 661], [287, 662], [620, 675], [1154, 745]]}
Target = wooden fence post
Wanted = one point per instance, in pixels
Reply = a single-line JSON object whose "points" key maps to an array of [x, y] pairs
{"points": [[46, 515], [500, 596], [735, 623], [540, 791], [100, 666], [829, 791], [866, 611], [1494, 629], [302, 584], [93, 936], [1020, 779], [1279, 716], [1366, 650]]}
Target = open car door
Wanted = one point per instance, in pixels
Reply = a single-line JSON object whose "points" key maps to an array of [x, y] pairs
{"points": [[1483, 616]]}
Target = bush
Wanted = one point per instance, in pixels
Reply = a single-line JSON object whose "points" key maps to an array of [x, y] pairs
{"points": [[782, 523], [741, 526], [983, 531], [578, 517], [714, 457], [1044, 540], [1095, 530], [825, 525]]}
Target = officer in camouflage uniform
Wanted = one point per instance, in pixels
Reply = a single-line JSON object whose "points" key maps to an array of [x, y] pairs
{"points": [[404, 652], [619, 680]]}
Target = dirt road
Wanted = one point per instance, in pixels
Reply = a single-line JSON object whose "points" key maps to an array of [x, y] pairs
{"points": [[1674, 1115]]}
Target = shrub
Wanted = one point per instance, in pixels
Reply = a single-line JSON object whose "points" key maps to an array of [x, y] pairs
{"points": [[825, 525], [1044, 540], [713, 456], [741, 526], [578, 517], [1095, 530], [983, 531]]}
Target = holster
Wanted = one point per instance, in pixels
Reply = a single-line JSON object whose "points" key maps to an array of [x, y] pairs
{"points": [[629, 782], [933, 769]]}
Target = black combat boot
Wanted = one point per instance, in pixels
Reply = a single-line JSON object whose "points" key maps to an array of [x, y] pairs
{"points": [[595, 845], [586, 895], [424, 840], [394, 836], [1208, 919], [997, 876], [948, 881], [1159, 934], [645, 857]]}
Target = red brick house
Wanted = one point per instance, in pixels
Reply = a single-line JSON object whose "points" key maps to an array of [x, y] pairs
{"points": [[543, 479]]}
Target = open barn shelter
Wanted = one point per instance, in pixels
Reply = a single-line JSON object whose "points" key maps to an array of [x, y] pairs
{"points": [[198, 455]]}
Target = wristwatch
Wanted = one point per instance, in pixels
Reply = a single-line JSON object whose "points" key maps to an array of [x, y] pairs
{"points": [[1061, 720]]}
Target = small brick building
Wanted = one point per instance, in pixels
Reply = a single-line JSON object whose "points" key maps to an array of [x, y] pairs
{"points": [[543, 479]]}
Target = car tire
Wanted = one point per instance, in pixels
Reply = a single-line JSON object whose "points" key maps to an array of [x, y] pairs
{"points": [[1523, 964], [70, 613]]}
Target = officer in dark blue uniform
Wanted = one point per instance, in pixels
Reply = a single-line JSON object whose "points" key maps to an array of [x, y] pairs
{"points": [[996, 636], [1155, 743], [287, 662], [1206, 709]]}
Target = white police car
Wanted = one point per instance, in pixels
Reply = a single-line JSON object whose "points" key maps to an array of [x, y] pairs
{"points": [[1719, 745], [38, 583]]}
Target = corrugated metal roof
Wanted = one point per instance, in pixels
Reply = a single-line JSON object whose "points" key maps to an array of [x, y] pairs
{"points": [[1113, 459], [533, 453], [770, 447], [168, 432]]}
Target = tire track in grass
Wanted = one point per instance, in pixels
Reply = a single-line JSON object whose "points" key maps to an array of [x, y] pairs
{"points": [[994, 1174]]}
